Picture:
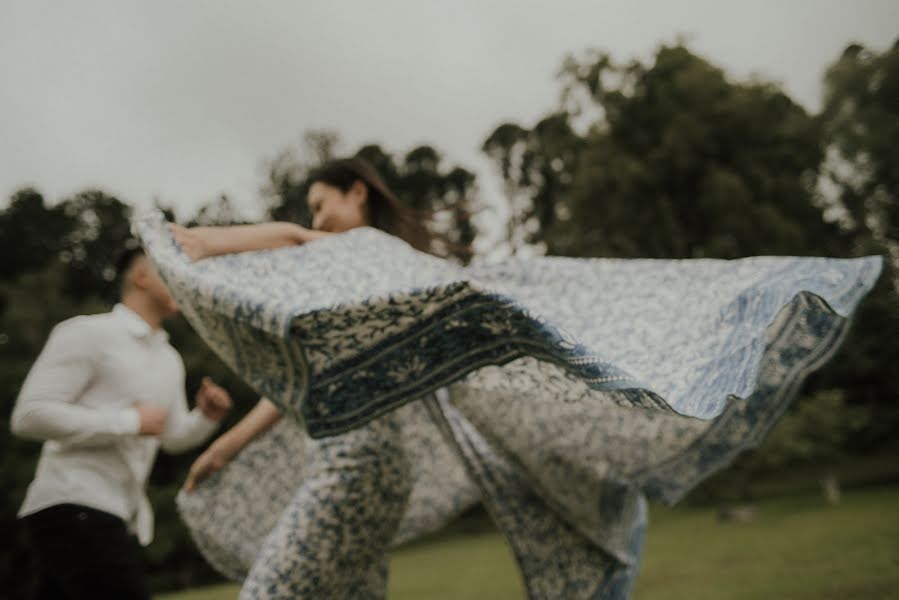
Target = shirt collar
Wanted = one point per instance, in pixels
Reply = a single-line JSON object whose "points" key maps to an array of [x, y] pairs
{"points": [[136, 325]]}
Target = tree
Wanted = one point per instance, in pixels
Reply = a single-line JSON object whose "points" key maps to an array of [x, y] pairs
{"points": [[102, 229], [860, 191], [536, 166], [861, 126], [31, 233], [676, 162], [218, 212], [447, 197]]}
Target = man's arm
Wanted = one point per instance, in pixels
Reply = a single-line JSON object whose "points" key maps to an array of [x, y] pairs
{"points": [[47, 407], [187, 429]]}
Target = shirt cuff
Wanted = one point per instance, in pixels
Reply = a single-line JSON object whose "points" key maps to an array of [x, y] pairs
{"points": [[203, 422], [128, 421]]}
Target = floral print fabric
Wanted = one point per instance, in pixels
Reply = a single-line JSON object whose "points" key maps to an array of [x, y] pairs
{"points": [[567, 389]]}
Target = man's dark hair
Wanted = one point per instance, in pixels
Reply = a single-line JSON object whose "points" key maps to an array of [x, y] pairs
{"points": [[124, 261]]}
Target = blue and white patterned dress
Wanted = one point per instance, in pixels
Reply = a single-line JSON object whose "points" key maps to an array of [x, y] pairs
{"points": [[559, 392]]}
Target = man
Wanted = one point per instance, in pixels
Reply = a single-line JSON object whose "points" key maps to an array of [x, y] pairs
{"points": [[105, 393]]}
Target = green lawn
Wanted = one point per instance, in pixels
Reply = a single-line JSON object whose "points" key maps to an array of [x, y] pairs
{"points": [[796, 548]]}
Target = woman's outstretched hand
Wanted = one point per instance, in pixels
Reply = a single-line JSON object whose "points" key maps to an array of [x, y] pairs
{"points": [[192, 241], [206, 464], [260, 418]]}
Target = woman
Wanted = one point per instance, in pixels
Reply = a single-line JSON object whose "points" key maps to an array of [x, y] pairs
{"points": [[332, 540], [677, 366]]}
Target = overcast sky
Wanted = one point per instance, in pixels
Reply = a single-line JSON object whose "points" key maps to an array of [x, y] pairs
{"points": [[182, 100]]}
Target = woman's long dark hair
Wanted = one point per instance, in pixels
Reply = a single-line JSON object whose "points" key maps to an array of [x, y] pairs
{"points": [[385, 211]]}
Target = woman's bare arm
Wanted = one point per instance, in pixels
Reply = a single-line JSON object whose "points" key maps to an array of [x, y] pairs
{"points": [[203, 242], [260, 418]]}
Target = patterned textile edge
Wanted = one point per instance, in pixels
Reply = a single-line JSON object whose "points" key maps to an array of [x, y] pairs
{"points": [[468, 330], [805, 335], [495, 330]]}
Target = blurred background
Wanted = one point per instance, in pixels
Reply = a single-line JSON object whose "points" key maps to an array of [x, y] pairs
{"points": [[666, 130]]}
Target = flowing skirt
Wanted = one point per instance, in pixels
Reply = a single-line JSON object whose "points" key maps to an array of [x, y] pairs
{"points": [[559, 392]]}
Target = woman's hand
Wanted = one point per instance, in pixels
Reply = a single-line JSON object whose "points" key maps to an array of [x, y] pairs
{"points": [[206, 464], [192, 241], [260, 418]]}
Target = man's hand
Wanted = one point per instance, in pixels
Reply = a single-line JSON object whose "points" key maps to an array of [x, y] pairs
{"points": [[213, 400], [152, 419]]}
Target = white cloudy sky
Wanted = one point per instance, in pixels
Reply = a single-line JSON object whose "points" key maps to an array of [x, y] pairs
{"points": [[182, 100]]}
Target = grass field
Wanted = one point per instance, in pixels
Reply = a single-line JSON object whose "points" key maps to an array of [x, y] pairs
{"points": [[796, 548]]}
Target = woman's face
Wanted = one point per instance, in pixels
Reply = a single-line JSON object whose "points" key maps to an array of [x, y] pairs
{"points": [[335, 210]]}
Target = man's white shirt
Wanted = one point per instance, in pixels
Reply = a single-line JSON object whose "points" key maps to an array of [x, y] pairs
{"points": [[80, 397]]}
